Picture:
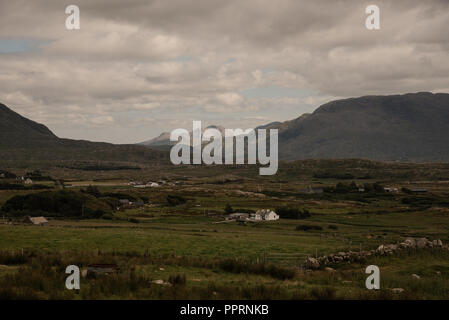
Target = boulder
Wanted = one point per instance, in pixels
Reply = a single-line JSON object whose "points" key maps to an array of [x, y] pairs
{"points": [[312, 263], [415, 276], [422, 242], [329, 269], [410, 242], [397, 290], [391, 247], [161, 282], [437, 243]]}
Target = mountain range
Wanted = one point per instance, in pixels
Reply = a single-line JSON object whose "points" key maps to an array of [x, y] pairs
{"points": [[409, 127]]}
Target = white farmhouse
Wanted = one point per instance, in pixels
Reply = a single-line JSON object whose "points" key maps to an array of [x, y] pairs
{"points": [[268, 215]]}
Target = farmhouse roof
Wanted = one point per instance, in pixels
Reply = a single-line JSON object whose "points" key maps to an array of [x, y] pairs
{"points": [[38, 220]]}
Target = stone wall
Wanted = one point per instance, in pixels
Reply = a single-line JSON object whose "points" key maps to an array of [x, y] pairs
{"points": [[383, 249]]}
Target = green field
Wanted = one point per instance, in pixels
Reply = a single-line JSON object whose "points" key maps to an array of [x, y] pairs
{"points": [[197, 255]]}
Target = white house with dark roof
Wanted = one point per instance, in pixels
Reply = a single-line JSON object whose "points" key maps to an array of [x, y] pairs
{"points": [[268, 215]]}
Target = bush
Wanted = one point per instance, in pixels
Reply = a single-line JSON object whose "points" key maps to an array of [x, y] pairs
{"points": [[175, 200], [61, 203], [235, 266], [17, 186], [305, 227], [7, 174], [177, 280], [292, 213], [228, 209]]}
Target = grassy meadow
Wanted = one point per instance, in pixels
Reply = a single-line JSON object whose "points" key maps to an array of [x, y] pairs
{"points": [[198, 255]]}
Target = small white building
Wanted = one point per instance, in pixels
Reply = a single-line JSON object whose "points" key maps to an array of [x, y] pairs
{"points": [[37, 221], [255, 216], [268, 214]]}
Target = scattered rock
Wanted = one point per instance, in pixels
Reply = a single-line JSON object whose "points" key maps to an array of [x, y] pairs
{"points": [[438, 273], [162, 269], [383, 249], [161, 282], [416, 276], [312, 263], [397, 290], [410, 242], [421, 242], [437, 243], [329, 269]]}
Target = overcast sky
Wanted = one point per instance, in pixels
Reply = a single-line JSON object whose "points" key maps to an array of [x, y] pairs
{"points": [[137, 68]]}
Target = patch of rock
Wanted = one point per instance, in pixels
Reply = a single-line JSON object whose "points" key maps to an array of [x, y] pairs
{"points": [[383, 249]]}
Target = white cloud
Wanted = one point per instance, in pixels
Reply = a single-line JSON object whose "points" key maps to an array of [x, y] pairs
{"points": [[139, 67]]}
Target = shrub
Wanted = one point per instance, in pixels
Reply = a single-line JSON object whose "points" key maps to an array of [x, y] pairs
{"points": [[61, 203], [292, 213], [305, 227], [228, 209], [175, 200], [235, 266], [177, 280]]}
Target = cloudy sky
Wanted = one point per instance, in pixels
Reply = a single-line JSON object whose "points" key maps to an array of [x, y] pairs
{"points": [[137, 68]]}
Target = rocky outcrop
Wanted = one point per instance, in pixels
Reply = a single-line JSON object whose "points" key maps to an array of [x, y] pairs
{"points": [[383, 249]]}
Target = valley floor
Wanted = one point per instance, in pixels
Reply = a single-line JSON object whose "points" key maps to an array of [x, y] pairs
{"points": [[179, 251]]}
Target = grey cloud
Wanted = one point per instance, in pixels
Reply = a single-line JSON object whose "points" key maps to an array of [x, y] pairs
{"points": [[125, 67]]}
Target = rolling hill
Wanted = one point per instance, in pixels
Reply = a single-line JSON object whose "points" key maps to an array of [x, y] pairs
{"points": [[23, 139], [410, 127]]}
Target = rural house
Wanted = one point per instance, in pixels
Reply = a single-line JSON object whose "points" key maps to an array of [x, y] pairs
{"points": [[37, 221], [268, 215]]}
